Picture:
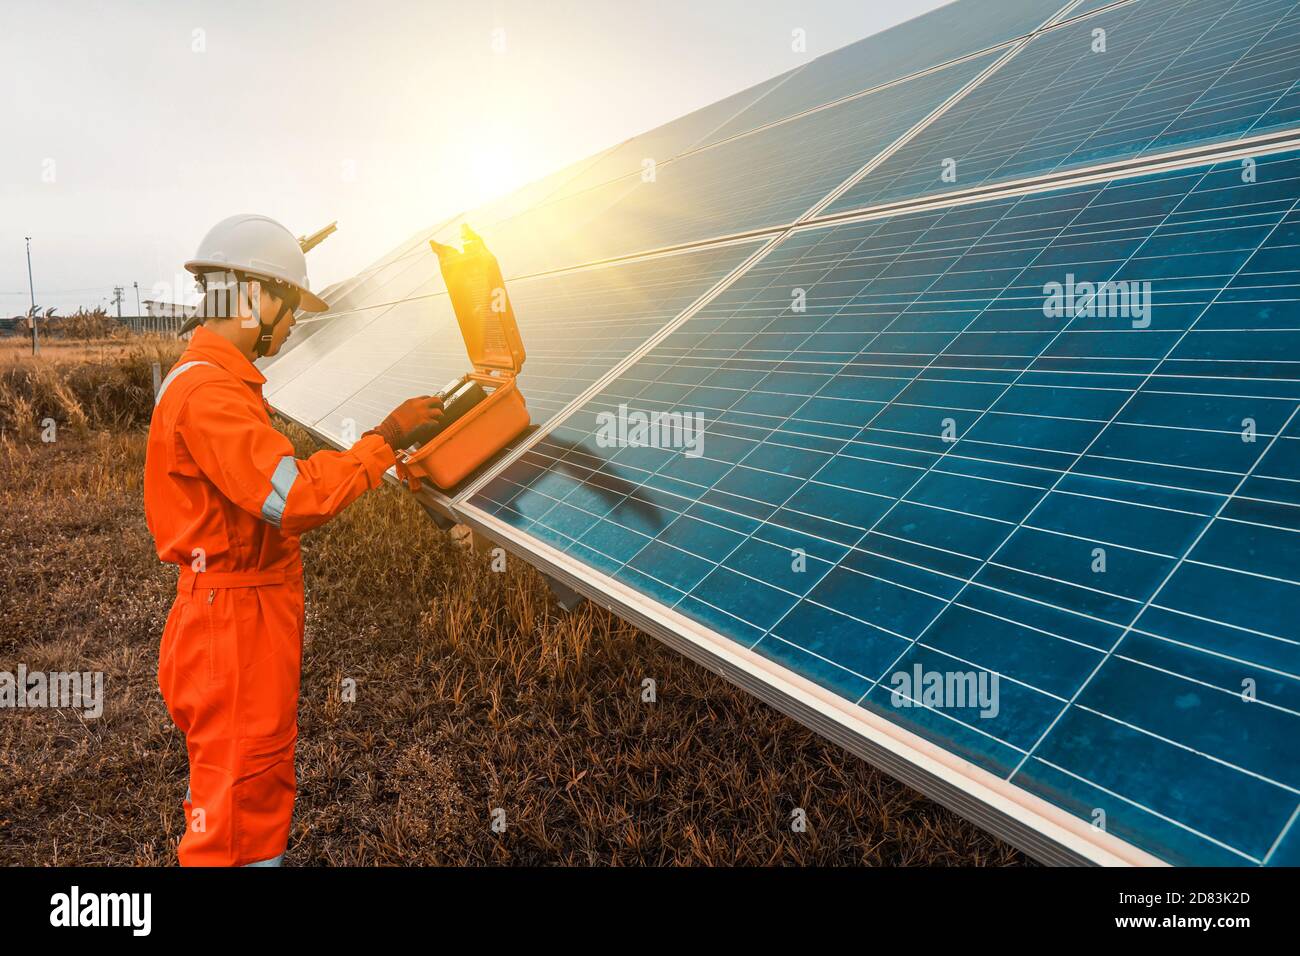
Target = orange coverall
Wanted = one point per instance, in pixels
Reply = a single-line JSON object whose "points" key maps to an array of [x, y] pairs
{"points": [[226, 500]]}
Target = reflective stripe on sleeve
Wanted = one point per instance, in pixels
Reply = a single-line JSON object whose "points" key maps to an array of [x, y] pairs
{"points": [[171, 377], [285, 474]]}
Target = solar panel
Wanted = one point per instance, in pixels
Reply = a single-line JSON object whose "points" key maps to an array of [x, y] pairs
{"points": [[923, 470], [940, 36], [1172, 73], [701, 196], [577, 327]]}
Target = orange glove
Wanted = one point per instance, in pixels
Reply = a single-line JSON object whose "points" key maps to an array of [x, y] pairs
{"points": [[411, 422]]}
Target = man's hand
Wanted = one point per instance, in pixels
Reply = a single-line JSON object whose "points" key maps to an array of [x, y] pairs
{"points": [[410, 422]]}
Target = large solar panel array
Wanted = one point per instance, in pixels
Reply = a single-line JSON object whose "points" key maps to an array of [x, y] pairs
{"points": [[992, 476]]}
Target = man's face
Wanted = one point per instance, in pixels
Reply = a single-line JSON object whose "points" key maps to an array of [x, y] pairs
{"points": [[272, 304]]}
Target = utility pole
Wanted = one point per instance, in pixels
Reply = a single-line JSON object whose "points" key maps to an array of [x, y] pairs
{"points": [[117, 300], [137, 297], [31, 287]]}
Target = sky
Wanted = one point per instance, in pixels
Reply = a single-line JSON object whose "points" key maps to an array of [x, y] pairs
{"points": [[129, 128]]}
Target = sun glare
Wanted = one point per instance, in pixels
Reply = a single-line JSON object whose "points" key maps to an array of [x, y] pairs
{"points": [[493, 168]]}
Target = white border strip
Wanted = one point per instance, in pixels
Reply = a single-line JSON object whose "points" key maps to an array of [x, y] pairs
{"points": [[1133, 168]]}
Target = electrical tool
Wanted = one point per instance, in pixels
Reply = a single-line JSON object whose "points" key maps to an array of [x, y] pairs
{"points": [[483, 411]]}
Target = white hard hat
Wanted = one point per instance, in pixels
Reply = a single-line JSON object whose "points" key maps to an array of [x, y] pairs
{"points": [[260, 246]]}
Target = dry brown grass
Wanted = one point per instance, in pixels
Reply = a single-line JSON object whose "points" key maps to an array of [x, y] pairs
{"points": [[474, 691], [81, 386]]}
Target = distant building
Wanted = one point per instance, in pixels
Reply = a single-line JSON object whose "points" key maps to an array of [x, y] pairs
{"points": [[168, 310]]}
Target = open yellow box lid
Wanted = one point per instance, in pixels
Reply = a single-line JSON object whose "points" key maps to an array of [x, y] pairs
{"points": [[482, 306]]}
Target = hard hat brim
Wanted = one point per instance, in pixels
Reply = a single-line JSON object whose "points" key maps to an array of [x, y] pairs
{"points": [[311, 302]]}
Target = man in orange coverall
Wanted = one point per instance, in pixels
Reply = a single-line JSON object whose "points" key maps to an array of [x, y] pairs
{"points": [[226, 500]]}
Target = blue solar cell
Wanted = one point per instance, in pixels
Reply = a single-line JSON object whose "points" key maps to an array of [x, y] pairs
{"points": [[948, 33], [913, 462], [575, 327], [1173, 73]]}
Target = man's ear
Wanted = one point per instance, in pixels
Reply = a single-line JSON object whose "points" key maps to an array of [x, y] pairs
{"points": [[253, 302]]}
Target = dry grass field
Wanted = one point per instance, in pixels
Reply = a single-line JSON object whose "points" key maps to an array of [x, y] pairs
{"points": [[474, 690]]}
